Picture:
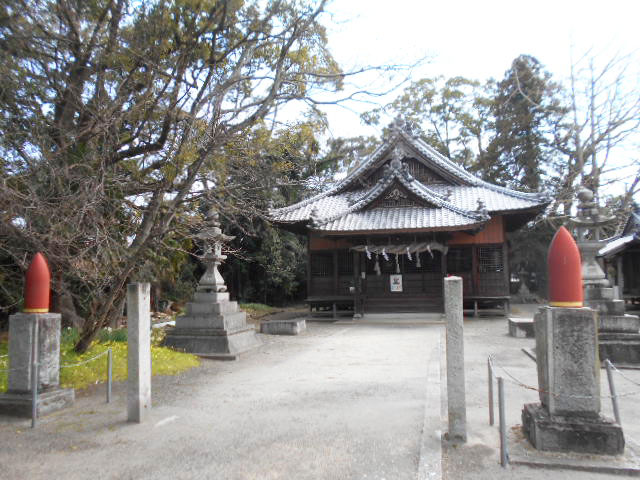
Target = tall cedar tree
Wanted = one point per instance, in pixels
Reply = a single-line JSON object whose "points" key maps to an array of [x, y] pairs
{"points": [[524, 110]]}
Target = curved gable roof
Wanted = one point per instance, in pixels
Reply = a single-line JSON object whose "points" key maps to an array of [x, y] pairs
{"points": [[466, 200]]}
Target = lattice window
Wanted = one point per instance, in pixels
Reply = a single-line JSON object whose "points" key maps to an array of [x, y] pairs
{"points": [[322, 264], [422, 173], [459, 259], [345, 262], [490, 259]]}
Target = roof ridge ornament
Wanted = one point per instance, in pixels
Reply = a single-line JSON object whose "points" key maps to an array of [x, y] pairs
{"points": [[482, 209]]}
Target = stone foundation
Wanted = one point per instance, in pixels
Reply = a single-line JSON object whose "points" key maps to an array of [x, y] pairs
{"points": [[17, 400], [588, 434], [284, 327], [18, 404], [213, 327]]}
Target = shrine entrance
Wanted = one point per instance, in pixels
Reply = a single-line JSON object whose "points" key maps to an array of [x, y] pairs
{"points": [[397, 284]]}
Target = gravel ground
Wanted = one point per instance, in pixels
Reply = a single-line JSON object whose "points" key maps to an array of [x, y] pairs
{"points": [[479, 458], [337, 402]]}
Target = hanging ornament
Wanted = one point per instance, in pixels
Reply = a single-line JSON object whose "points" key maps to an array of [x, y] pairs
{"points": [[429, 250], [366, 249], [418, 264], [397, 264], [409, 254], [384, 255], [376, 267]]}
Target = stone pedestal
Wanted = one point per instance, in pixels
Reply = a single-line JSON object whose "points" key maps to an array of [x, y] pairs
{"points": [[284, 327], [17, 400], [618, 333], [213, 327], [568, 418]]}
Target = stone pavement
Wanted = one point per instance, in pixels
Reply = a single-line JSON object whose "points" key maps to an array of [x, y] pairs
{"points": [[337, 402]]}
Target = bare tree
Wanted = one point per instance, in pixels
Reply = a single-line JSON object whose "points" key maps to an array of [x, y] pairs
{"points": [[604, 106]]}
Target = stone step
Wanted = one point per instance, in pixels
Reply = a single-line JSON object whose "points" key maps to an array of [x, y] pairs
{"points": [[607, 307], [284, 327], [225, 321], [202, 308], [619, 323], [210, 297], [598, 293], [521, 327]]}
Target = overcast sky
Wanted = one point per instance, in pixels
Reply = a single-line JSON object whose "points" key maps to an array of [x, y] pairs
{"points": [[474, 39]]}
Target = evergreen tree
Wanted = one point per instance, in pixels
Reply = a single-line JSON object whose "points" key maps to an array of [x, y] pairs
{"points": [[525, 108]]}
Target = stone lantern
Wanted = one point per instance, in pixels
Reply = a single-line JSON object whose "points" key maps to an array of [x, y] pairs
{"points": [[213, 326], [618, 337]]}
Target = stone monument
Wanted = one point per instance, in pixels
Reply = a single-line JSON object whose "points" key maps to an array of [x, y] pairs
{"points": [[568, 417], [35, 333], [213, 326], [618, 333]]}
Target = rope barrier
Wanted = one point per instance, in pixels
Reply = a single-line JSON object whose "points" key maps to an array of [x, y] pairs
{"points": [[85, 361], [624, 376], [512, 379]]}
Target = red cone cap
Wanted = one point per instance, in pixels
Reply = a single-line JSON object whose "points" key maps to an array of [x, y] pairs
{"points": [[565, 271], [37, 286]]}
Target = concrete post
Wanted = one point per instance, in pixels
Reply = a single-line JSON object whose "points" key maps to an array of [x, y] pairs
{"points": [[139, 354], [455, 359]]}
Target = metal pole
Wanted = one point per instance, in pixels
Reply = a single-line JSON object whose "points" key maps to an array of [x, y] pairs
{"points": [[504, 456], [34, 375], [490, 379], [109, 374], [612, 389]]}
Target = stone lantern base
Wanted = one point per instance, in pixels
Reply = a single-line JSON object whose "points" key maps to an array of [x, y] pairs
{"points": [[213, 327]]}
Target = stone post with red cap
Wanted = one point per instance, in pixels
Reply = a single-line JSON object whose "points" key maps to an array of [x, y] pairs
{"points": [[568, 416], [35, 325]]}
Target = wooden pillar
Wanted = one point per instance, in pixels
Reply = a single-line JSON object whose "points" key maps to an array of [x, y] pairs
{"points": [[357, 283], [335, 272], [309, 292], [505, 268], [620, 275], [474, 270]]}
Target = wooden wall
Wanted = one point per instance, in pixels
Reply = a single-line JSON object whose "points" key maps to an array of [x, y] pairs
{"points": [[493, 232]]}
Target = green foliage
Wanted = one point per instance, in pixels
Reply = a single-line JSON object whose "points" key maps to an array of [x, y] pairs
{"points": [[107, 335], [525, 110], [115, 114], [451, 114], [165, 361]]}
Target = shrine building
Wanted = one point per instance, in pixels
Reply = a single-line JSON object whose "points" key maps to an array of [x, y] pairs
{"points": [[383, 238]]}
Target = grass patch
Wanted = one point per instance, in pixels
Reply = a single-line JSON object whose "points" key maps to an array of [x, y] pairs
{"points": [[255, 311], [165, 361]]}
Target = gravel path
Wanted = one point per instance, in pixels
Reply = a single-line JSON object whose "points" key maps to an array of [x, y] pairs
{"points": [[337, 402]]}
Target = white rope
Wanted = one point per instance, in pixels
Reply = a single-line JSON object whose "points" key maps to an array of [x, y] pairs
{"points": [[512, 379], [624, 376], [85, 361]]}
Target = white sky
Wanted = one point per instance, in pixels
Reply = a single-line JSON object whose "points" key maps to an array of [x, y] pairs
{"points": [[474, 39]]}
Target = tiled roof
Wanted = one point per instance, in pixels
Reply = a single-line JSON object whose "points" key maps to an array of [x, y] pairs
{"points": [[615, 245], [398, 218], [465, 201]]}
